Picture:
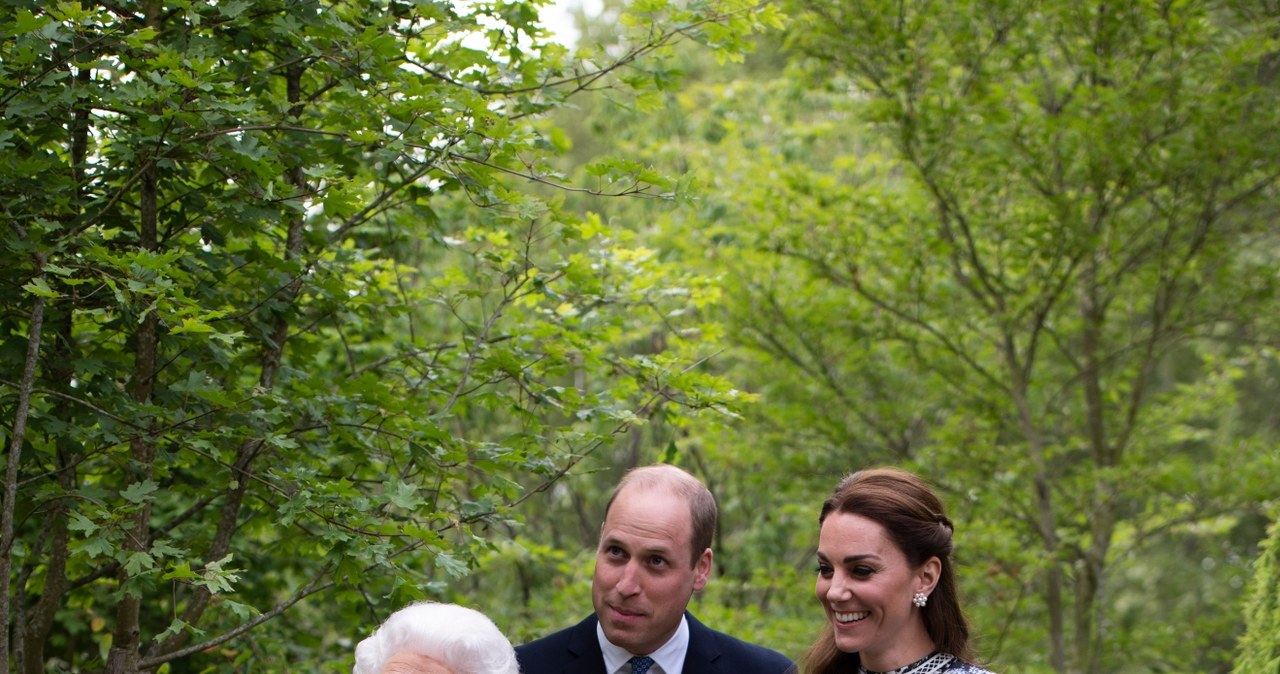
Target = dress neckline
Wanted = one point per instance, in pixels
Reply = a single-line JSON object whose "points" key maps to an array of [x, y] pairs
{"points": [[929, 664]]}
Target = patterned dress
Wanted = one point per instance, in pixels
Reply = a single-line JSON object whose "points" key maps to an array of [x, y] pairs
{"points": [[934, 663]]}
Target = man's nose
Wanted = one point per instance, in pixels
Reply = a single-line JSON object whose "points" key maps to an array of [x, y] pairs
{"points": [[629, 581]]}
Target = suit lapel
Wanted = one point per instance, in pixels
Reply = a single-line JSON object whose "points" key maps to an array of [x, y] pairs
{"points": [[703, 652], [584, 650]]}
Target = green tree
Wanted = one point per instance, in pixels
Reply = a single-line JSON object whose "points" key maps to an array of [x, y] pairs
{"points": [[542, 577], [1027, 250], [1260, 645], [1039, 277], [282, 319]]}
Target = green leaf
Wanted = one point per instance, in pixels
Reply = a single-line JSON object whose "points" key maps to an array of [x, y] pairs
{"points": [[404, 495], [175, 627], [234, 8], [451, 566], [82, 524], [58, 269], [164, 548], [244, 612], [218, 578], [26, 22], [181, 571], [139, 491], [192, 326], [39, 287], [98, 546], [137, 562]]}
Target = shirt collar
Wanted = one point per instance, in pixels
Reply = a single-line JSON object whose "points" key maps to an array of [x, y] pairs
{"points": [[669, 656]]}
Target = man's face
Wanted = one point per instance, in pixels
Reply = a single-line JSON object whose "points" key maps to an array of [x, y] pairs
{"points": [[643, 580]]}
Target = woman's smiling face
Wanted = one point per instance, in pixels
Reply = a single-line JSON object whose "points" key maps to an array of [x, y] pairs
{"points": [[866, 584]]}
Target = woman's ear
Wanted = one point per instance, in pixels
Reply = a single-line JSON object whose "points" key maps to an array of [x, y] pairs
{"points": [[929, 575]]}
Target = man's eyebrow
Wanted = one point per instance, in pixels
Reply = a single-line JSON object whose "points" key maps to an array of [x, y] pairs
{"points": [[661, 550], [613, 541]]}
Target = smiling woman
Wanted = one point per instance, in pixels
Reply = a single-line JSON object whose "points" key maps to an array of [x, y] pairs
{"points": [[886, 582]]}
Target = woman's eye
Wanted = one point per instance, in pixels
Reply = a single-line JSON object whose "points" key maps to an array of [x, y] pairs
{"points": [[824, 570], [863, 571]]}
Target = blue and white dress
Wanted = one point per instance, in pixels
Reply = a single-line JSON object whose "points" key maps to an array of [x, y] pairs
{"points": [[934, 663]]}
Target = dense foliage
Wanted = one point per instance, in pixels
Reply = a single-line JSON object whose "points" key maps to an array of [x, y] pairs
{"points": [[1025, 248], [1069, 257], [1259, 647], [286, 332], [311, 307]]}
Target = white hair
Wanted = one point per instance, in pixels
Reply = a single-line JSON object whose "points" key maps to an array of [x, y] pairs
{"points": [[464, 639]]}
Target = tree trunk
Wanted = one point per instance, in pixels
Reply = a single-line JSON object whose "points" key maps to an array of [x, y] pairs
{"points": [[124, 654], [1102, 505], [272, 356], [35, 632], [1046, 522], [15, 454]]}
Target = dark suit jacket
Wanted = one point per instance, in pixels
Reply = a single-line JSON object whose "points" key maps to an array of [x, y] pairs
{"points": [[576, 650]]}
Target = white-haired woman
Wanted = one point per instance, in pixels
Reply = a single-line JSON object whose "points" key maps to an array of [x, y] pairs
{"points": [[432, 638]]}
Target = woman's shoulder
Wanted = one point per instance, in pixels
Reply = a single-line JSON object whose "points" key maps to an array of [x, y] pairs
{"points": [[959, 666]]}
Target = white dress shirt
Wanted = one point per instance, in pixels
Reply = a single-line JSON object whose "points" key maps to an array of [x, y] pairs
{"points": [[668, 659]]}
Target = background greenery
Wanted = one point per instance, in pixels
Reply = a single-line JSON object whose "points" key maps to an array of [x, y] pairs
{"points": [[314, 308]]}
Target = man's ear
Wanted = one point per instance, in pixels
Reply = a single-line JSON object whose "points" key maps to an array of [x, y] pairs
{"points": [[702, 570]]}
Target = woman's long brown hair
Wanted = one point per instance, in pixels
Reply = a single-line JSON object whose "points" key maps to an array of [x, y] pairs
{"points": [[913, 515]]}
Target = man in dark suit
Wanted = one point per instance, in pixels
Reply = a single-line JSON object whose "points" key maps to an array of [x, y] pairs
{"points": [[654, 553]]}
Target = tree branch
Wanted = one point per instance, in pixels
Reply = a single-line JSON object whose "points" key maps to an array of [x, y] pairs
{"points": [[306, 591], [20, 416]]}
